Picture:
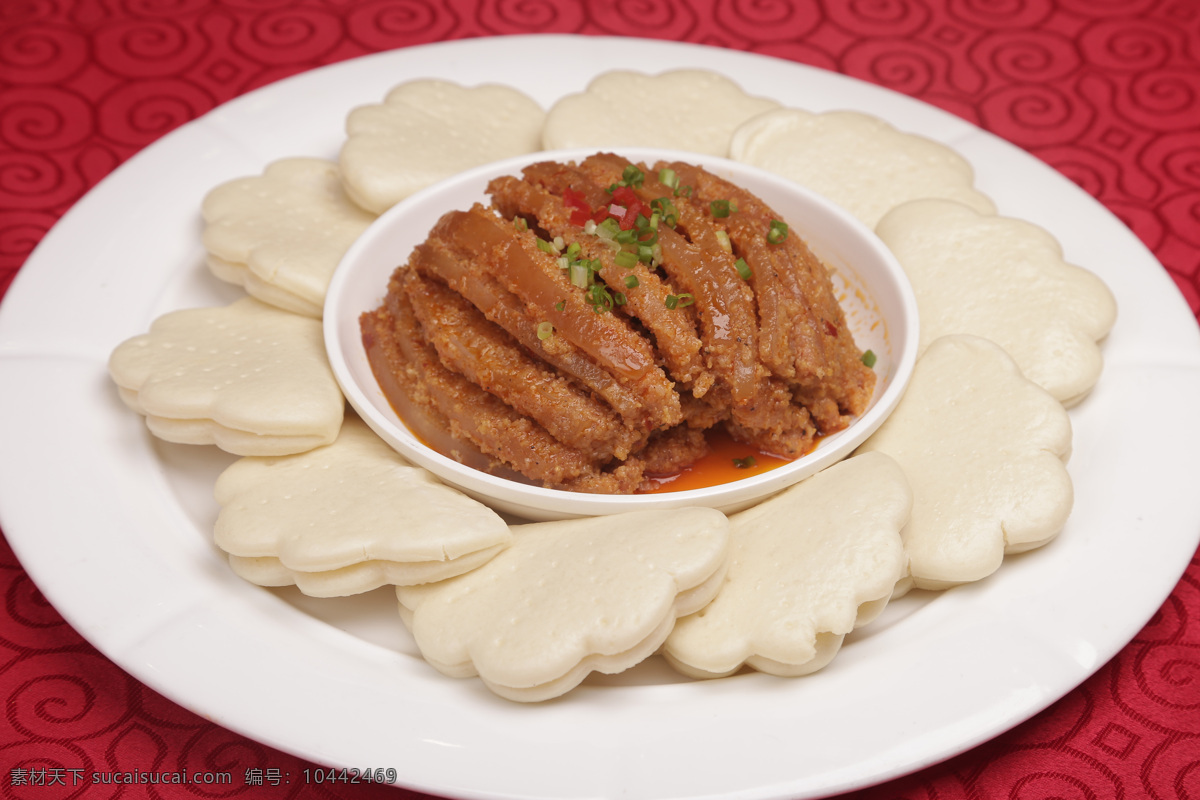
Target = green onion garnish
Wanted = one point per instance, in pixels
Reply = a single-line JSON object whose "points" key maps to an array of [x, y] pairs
{"points": [[626, 259], [632, 176], [619, 298], [723, 240], [778, 232], [520, 224], [683, 191], [545, 330], [743, 269], [546, 247], [580, 275], [666, 209], [722, 208], [573, 251], [560, 305], [868, 359], [631, 281], [608, 229], [599, 298], [668, 178], [679, 300], [745, 463]]}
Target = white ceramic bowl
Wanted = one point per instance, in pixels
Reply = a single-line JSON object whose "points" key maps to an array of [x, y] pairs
{"points": [[877, 297]]}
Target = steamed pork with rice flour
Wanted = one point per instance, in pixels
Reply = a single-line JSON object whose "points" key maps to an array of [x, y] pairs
{"points": [[598, 321]]}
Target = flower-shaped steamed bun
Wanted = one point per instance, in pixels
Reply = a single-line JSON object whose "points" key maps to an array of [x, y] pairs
{"points": [[858, 161], [1005, 280], [568, 598], [428, 130], [686, 109], [806, 567], [247, 377], [984, 450], [347, 518], [281, 234]]}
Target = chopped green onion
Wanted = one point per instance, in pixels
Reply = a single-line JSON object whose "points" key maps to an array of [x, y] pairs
{"points": [[668, 178], [679, 300], [558, 243], [545, 330], [608, 229], [546, 247], [599, 298], [722, 208], [619, 298], [743, 269], [745, 463], [683, 191], [580, 274], [778, 232], [632, 176], [564, 262], [560, 305], [666, 209], [645, 253], [520, 224], [589, 227], [631, 281], [573, 251], [626, 259], [723, 240], [868, 359]]}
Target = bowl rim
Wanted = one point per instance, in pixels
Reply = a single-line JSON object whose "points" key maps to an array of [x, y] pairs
{"points": [[550, 503]]}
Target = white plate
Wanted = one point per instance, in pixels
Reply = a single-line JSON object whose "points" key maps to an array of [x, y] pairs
{"points": [[115, 527]]}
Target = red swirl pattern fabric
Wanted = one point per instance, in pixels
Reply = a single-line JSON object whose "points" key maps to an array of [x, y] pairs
{"points": [[1105, 91]]}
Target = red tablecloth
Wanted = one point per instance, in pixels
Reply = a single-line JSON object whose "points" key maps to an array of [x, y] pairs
{"points": [[1106, 91]]}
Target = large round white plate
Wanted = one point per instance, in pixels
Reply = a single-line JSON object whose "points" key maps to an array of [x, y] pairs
{"points": [[115, 527]]}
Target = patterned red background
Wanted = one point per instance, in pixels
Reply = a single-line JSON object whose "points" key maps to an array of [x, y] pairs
{"points": [[1105, 91]]}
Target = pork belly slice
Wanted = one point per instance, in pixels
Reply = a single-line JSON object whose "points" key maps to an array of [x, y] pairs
{"points": [[696, 262], [474, 414], [764, 412], [434, 259], [539, 196], [488, 357], [512, 256], [401, 385], [701, 268], [820, 355]]}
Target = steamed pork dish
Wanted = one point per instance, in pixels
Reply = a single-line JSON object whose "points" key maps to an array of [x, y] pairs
{"points": [[591, 326]]}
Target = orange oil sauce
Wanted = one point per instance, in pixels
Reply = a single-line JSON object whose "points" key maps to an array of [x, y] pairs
{"points": [[717, 466]]}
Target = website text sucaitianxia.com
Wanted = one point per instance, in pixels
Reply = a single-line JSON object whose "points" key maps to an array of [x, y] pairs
{"points": [[254, 776]]}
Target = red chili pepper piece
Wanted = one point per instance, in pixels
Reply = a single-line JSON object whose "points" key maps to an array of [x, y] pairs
{"points": [[581, 212], [626, 197]]}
